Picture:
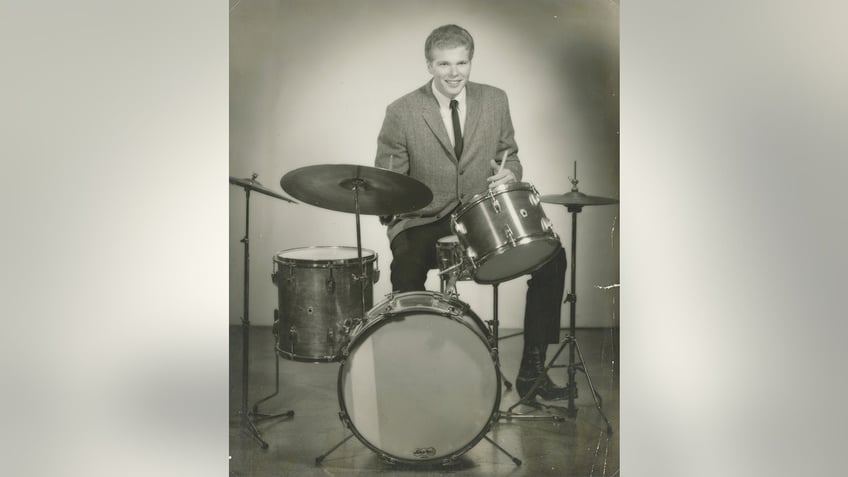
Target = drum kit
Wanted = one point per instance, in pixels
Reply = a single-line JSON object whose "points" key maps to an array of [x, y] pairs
{"points": [[396, 355]]}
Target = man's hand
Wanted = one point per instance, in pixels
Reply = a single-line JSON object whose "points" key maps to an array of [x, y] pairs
{"points": [[503, 176]]}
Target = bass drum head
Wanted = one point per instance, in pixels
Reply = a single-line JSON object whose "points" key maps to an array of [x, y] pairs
{"points": [[419, 387]]}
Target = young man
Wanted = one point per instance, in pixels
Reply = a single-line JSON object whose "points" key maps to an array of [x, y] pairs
{"points": [[447, 134]]}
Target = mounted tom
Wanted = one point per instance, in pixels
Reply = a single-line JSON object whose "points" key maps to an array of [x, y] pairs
{"points": [[505, 233]]}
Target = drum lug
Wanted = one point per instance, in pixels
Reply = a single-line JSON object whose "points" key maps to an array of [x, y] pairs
{"points": [[458, 227], [330, 283], [331, 339], [276, 326], [509, 235], [495, 204], [345, 419], [293, 336]]}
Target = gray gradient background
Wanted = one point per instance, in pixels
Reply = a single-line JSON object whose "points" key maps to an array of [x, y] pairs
{"points": [[310, 82], [114, 147]]}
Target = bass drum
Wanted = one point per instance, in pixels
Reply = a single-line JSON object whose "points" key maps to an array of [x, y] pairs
{"points": [[418, 382]]}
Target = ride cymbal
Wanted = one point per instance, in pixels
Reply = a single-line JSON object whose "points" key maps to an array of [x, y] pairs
{"points": [[336, 186]]}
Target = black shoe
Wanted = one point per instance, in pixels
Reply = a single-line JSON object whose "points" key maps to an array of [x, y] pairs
{"points": [[532, 367], [546, 389]]}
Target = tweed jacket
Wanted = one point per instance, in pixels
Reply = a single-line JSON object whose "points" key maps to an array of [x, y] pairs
{"points": [[414, 141]]}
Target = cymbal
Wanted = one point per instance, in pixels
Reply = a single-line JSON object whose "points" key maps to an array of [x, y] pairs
{"points": [[577, 199], [254, 185], [380, 191]]}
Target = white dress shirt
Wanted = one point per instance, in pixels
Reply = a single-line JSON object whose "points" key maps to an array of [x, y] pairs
{"points": [[444, 109]]}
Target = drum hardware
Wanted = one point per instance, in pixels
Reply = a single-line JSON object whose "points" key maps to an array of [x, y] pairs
{"points": [[574, 201], [504, 232], [252, 185], [320, 295], [407, 331]]}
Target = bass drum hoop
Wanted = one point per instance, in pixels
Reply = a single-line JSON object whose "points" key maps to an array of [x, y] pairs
{"points": [[371, 325]]}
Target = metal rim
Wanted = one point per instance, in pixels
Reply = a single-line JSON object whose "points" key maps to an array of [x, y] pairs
{"points": [[501, 189], [485, 338], [504, 248], [367, 256]]}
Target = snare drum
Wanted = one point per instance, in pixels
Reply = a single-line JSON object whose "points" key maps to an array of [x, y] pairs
{"points": [[418, 382], [320, 297], [505, 233]]}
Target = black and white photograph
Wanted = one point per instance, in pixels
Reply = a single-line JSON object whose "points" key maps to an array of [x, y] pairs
{"points": [[420, 192]]}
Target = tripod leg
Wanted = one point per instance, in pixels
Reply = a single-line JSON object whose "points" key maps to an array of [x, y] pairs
{"points": [[519, 333], [251, 429], [514, 459], [321, 457], [260, 415], [595, 395], [256, 413]]}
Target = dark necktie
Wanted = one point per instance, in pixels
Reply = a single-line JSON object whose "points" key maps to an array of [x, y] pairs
{"points": [[457, 132]]}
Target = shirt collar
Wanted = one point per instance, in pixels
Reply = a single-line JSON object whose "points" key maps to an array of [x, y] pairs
{"points": [[444, 101]]}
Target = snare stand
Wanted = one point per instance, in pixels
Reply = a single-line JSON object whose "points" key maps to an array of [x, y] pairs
{"points": [[248, 185], [494, 324]]}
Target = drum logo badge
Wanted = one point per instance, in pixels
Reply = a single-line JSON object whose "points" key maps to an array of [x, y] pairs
{"points": [[424, 452]]}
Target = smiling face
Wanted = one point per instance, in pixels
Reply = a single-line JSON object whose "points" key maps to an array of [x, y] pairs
{"points": [[450, 68]]}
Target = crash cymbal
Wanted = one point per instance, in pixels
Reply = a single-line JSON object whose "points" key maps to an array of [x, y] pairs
{"points": [[380, 191], [577, 199], [254, 185]]}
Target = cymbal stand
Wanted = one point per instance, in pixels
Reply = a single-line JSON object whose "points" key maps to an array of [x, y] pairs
{"points": [[354, 185], [246, 422], [571, 340]]}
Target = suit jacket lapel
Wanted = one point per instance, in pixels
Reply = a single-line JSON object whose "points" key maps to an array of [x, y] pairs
{"points": [[473, 111], [433, 118]]}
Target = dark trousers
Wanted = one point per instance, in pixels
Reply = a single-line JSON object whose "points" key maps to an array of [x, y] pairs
{"points": [[414, 254]]}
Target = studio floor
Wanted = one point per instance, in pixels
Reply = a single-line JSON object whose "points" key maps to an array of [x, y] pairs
{"points": [[569, 446]]}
